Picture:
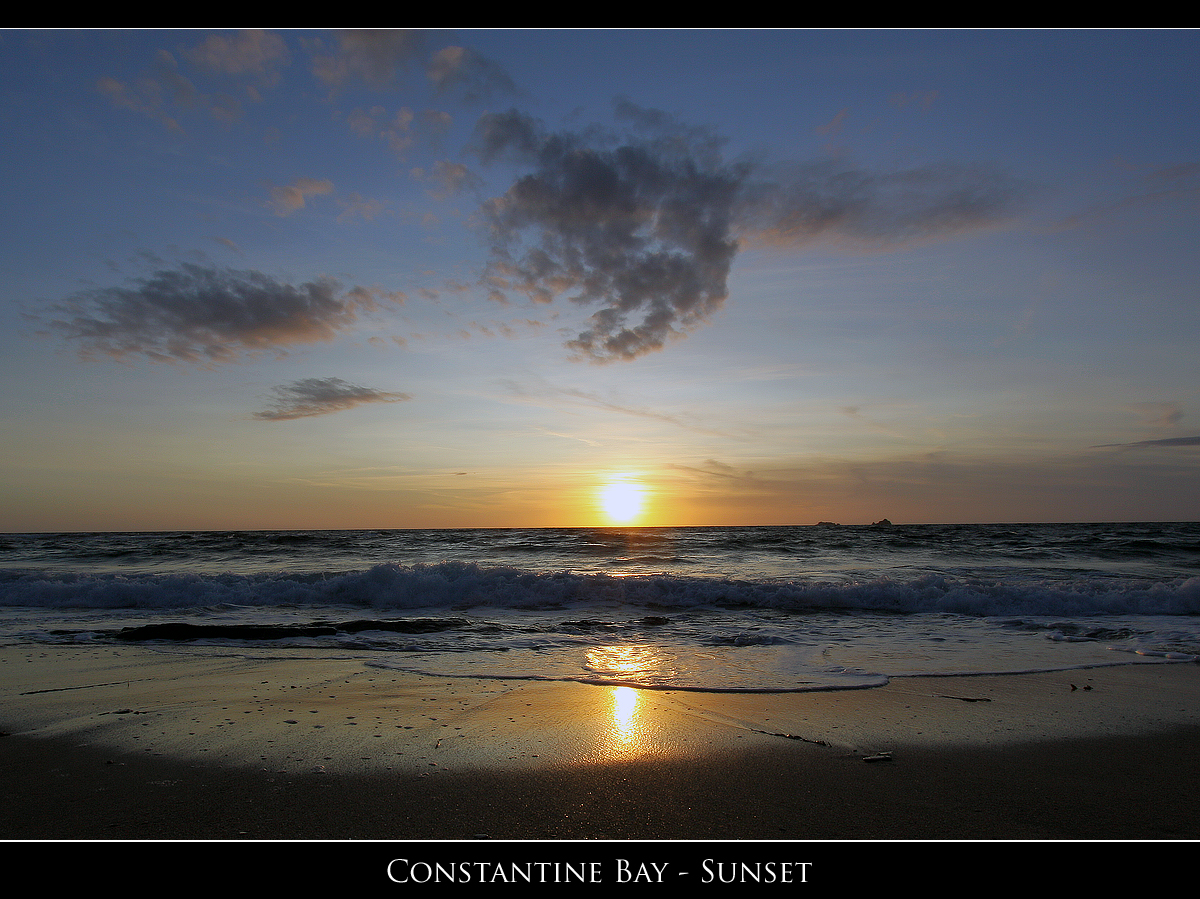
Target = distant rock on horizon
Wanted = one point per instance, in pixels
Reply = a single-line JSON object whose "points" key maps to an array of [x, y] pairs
{"points": [[881, 523]]}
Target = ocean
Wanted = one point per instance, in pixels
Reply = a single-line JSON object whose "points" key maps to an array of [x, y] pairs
{"points": [[818, 607]]}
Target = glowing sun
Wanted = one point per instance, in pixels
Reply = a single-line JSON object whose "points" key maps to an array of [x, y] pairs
{"points": [[622, 500]]}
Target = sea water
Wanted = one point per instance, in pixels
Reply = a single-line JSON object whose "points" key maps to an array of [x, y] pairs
{"points": [[747, 608]]}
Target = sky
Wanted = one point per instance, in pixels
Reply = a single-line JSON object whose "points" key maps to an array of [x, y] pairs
{"points": [[515, 278]]}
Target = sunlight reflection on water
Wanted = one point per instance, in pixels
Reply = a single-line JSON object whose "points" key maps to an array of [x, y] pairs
{"points": [[632, 660]]}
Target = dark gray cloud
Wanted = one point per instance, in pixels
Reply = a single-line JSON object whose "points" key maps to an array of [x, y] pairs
{"points": [[645, 224], [1165, 441], [643, 230], [204, 315], [321, 396]]}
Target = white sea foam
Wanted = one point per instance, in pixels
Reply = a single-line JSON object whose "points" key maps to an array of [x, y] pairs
{"points": [[453, 585]]}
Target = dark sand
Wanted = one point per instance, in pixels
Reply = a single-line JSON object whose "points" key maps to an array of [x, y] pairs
{"points": [[1098, 788], [136, 744]]}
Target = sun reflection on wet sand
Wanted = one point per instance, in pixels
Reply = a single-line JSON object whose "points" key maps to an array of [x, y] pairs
{"points": [[628, 733], [625, 703]]}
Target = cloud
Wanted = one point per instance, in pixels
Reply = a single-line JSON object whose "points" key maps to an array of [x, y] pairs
{"points": [[164, 93], [645, 224], [547, 395], [596, 401], [946, 487], [396, 130], [291, 197], [357, 205], [321, 396], [835, 124], [472, 75], [795, 205], [643, 230], [448, 178], [375, 56], [251, 52], [1166, 441], [380, 57], [1162, 416], [924, 99], [203, 315], [1147, 187], [157, 93], [720, 470]]}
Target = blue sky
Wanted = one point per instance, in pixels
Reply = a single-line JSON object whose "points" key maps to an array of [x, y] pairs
{"points": [[304, 279]]}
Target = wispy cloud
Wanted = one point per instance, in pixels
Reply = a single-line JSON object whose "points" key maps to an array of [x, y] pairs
{"points": [[1161, 416], [203, 315], [382, 58], [593, 400], [289, 198], [548, 395], [355, 206], [468, 73], [1165, 441], [711, 468], [795, 205], [246, 61], [448, 178], [394, 129], [645, 223], [321, 396], [251, 52], [1146, 187], [375, 56], [228, 244], [159, 93]]}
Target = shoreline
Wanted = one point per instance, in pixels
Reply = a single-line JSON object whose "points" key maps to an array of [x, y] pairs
{"points": [[132, 743]]}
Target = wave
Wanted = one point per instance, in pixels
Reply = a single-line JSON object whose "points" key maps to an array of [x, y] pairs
{"points": [[464, 585]]}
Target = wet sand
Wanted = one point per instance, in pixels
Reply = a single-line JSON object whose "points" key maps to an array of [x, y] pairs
{"points": [[137, 743]]}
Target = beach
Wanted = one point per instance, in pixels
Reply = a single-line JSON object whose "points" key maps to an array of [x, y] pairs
{"points": [[136, 743]]}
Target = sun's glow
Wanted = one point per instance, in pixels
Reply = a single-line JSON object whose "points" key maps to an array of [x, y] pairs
{"points": [[622, 500]]}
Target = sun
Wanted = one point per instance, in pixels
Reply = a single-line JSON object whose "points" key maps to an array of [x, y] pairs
{"points": [[622, 500]]}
